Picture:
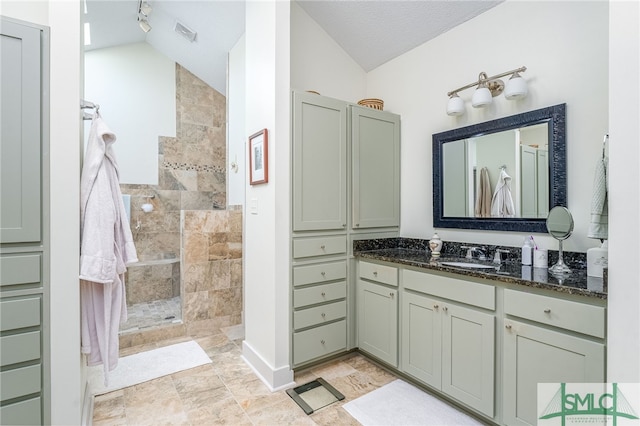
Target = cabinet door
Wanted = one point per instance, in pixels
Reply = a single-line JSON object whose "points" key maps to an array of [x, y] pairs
{"points": [[468, 342], [535, 355], [375, 175], [378, 321], [20, 135], [319, 163], [422, 338]]}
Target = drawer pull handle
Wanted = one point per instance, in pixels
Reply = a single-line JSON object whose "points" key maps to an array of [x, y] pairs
{"points": [[547, 311], [436, 306], [322, 341], [322, 247], [323, 294], [508, 326]]}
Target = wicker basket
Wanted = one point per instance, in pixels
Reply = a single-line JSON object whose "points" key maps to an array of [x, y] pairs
{"points": [[372, 103]]}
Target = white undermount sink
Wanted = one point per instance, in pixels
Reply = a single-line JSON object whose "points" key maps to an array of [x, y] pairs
{"points": [[468, 265]]}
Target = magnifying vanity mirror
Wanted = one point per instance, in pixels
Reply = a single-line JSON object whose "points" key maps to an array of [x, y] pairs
{"points": [[529, 148], [560, 226]]}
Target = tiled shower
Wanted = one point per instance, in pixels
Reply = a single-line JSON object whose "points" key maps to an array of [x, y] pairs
{"points": [[190, 246]]}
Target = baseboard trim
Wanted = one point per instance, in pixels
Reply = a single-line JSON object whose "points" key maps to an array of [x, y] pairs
{"points": [[276, 379]]}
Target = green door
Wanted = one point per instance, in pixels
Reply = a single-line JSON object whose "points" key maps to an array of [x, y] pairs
{"points": [[375, 174], [319, 163]]}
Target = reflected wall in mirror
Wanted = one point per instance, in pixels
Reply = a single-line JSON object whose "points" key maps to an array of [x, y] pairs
{"points": [[526, 151]]}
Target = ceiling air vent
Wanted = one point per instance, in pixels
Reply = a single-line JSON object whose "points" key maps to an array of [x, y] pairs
{"points": [[185, 31]]}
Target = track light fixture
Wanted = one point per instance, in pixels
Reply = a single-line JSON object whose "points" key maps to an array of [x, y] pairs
{"points": [[487, 89], [144, 10]]}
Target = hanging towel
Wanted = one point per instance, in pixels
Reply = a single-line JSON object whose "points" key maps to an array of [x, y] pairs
{"points": [[599, 226], [483, 198], [502, 202], [106, 248]]}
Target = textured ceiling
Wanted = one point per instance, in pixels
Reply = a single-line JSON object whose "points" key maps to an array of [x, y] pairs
{"points": [[372, 32]]}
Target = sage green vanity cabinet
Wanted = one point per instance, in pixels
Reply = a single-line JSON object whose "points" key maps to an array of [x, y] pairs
{"points": [[481, 342], [24, 232], [541, 346], [378, 311], [446, 345]]}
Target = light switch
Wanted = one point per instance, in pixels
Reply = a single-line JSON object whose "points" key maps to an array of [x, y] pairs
{"points": [[253, 206]]}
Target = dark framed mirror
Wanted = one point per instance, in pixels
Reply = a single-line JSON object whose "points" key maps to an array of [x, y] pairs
{"points": [[525, 153]]}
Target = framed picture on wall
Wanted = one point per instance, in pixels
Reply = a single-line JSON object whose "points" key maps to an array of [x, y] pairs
{"points": [[258, 157]]}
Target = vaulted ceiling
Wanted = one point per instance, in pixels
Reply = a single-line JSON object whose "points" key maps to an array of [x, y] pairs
{"points": [[372, 32]]}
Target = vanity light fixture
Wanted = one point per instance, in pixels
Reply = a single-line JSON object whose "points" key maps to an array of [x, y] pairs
{"points": [[144, 9], [487, 89]]}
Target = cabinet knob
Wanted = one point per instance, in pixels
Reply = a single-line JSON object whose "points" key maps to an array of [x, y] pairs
{"points": [[322, 341], [507, 326], [436, 306], [322, 247], [357, 225], [323, 294], [444, 308], [547, 311], [344, 225], [323, 273], [375, 273], [391, 295], [323, 315]]}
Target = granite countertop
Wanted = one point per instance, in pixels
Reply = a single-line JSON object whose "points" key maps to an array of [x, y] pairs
{"points": [[510, 272]]}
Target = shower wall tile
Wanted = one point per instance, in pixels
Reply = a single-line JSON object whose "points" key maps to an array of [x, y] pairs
{"points": [[189, 219]]}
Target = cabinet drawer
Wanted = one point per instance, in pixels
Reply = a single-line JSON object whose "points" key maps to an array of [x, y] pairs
{"points": [[323, 272], [319, 294], [319, 342], [475, 294], [19, 348], [575, 316], [319, 315], [19, 313], [20, 382], [27, 412], [20, 269], [379, 273], [319, 246]]}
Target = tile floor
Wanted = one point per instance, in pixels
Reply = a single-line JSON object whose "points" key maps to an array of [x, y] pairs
{"points": [[228, 392], [148, 314]]}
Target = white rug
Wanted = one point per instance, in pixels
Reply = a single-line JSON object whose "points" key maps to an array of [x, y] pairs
{"points": [[399, 403], [145, 366]]}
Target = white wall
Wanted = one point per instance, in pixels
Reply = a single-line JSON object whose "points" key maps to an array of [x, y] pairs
{"points": [[623, 354], [63, 18], [135, 86], [564, 46], [318, 63], [266, 249], [236, 138]]}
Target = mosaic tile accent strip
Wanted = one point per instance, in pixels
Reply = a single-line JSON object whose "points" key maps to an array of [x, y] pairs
{"points": [[196, 167]]}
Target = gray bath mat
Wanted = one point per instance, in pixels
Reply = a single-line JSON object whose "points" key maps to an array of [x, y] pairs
{"points": [[315, 395]]}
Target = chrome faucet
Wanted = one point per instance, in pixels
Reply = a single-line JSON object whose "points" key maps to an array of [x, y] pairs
{"points": [[481, 255], [497, 257]]}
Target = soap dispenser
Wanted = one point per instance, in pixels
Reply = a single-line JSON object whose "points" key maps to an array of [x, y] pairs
{"points": [[527, 252]]}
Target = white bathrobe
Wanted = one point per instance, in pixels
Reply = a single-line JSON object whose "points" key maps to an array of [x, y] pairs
{"points": [[106, 248], [502, 202]]}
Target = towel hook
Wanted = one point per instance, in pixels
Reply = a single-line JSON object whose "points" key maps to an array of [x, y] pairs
{"points": [[604, 144]]}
